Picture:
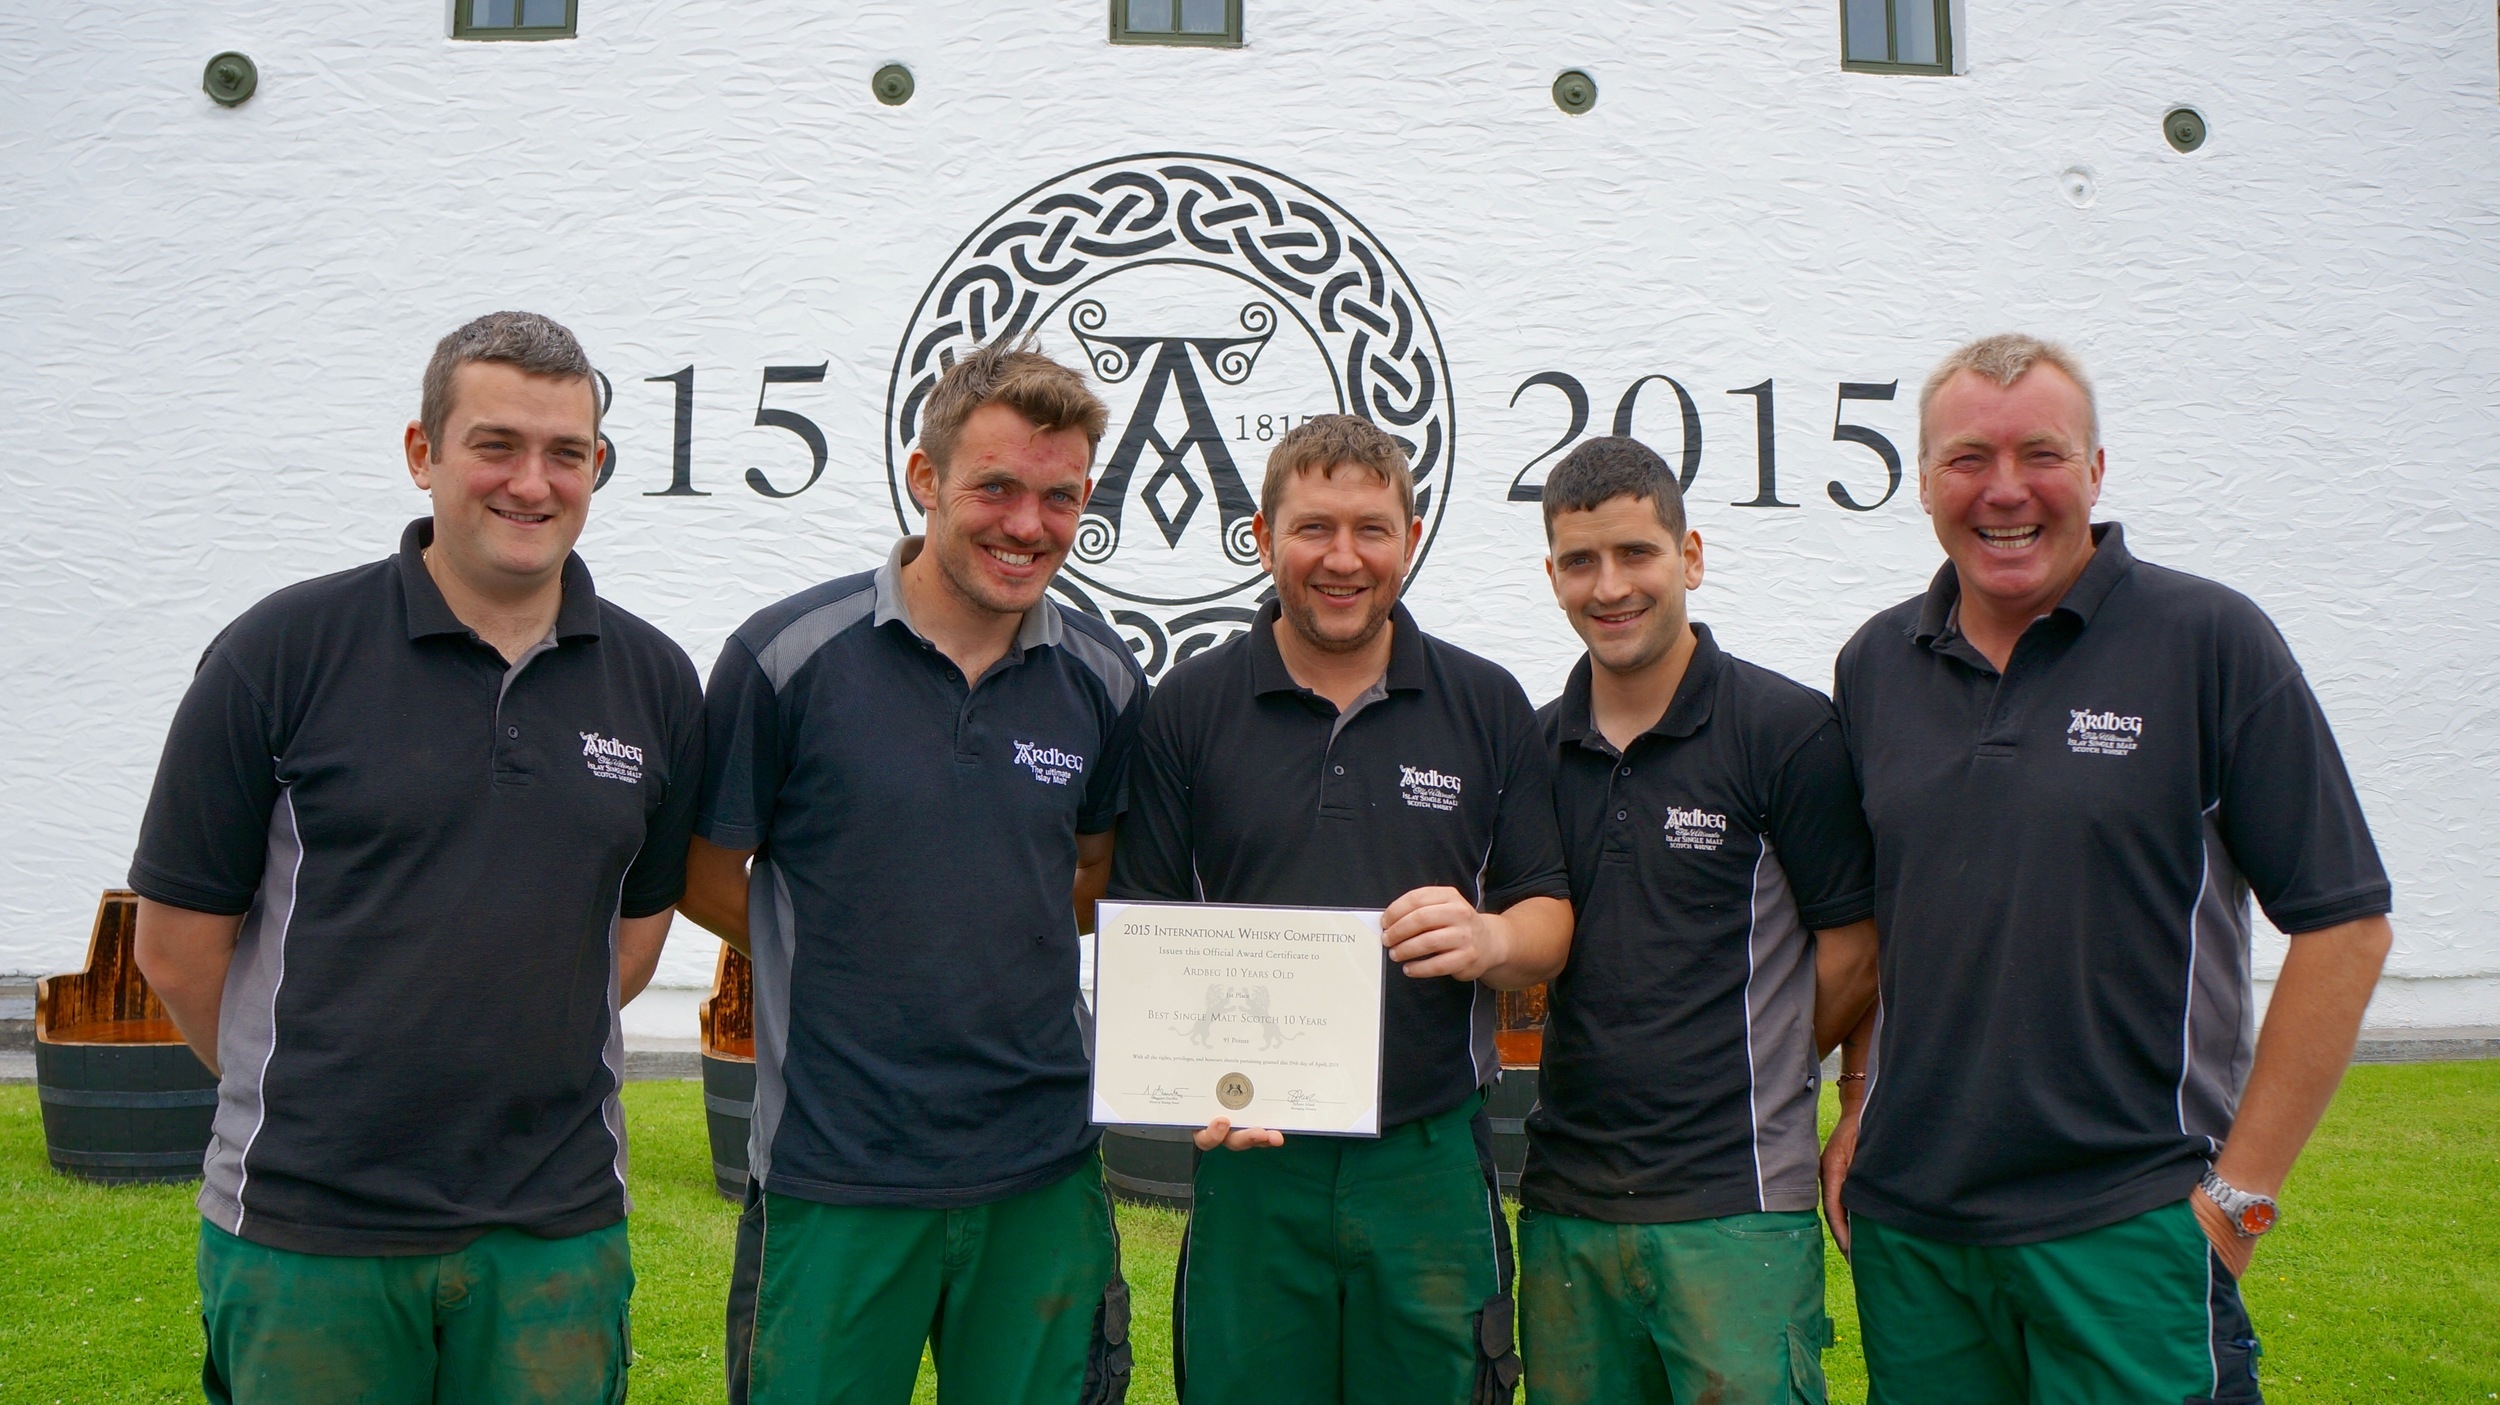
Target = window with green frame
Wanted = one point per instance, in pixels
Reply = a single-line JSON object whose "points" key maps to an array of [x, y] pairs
{"points": [[1896, 36], [1176, 22], [513, 19]]}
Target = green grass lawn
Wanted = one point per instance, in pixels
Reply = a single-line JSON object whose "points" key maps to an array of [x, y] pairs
{"points": [[2383, 1284]]}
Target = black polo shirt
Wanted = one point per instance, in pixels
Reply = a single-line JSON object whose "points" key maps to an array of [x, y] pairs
{"points": [[1253, 789], [2064, 855], [917, 1036], [1679, 1066], [430, 848]]}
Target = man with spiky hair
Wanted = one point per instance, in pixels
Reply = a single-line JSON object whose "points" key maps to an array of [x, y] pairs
{"points": [[1724, 886], [416, 837], [1289, 767], [2078, 768], [914, 772]]}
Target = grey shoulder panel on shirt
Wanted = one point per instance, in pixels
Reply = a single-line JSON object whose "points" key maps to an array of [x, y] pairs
{"points": [[797, 642], [1110, 662]]}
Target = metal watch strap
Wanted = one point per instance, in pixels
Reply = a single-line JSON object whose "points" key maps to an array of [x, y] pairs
{"points": [[2236, 1203]]}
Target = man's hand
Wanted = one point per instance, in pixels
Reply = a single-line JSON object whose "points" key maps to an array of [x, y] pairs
{"points": [[1220, 1133], [1837, 1154], [1438, 932], [2233, 1247], [1857, 1050]]}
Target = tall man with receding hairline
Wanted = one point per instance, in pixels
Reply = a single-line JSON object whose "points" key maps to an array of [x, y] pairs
{"points": [[2078, 768], [914, 774], [1282, 768], [416, 837]]}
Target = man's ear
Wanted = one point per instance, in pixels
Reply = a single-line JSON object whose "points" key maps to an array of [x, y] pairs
{"points": [[1265, 536], [920, 476], [420, 451], [1692, 559]]}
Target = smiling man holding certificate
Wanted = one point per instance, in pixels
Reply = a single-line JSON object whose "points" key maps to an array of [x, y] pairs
{"points": [[1345, 772]]}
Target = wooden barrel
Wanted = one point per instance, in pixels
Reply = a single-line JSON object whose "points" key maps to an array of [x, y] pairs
{"points": [[1519, 1037], [123, 1098], [1150, 1165], [728, 1017]]}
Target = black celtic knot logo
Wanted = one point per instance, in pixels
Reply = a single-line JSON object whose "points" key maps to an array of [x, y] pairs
{"points": [[1217, 302]]}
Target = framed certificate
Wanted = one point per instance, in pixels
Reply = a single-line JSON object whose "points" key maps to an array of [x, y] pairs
{"points": [[1266, 1016]]}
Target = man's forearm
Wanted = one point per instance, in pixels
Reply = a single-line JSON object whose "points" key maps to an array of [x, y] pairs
{"points": [[185, 955], [1537, 942], [638, 944], [2303, 1050], [1844, 981], [716, 891]]}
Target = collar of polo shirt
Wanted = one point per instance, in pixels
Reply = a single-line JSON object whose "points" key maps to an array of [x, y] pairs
{"points": [[1939, 617], [1040, 625], [429, 614], [1686, 712], [1407, 673]]}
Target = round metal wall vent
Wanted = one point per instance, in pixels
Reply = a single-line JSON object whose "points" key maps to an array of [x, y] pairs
{"points": [[892, 85], [230, 78], [2185, 128], [1574, 92]]}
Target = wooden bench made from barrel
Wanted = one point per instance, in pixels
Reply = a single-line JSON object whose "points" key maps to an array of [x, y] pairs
{"points": [[728, 1018], [1159, 1165], [123, 1098]]}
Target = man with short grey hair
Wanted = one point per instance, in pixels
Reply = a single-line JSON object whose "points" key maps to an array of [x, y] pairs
{"points": [[415, 839], [2078, 767]]}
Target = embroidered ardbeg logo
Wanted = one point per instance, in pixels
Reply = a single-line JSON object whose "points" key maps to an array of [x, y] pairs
{"points": [[1218, 304]]}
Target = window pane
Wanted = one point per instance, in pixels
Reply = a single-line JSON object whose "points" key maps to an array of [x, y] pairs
{"points": [[1202, 16], [491, 14], [1150, 16], [546, 13], [1865, 40], [1914, 36]]}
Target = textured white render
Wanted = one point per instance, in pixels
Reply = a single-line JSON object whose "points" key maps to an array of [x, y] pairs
{"points": [[212, 321]]}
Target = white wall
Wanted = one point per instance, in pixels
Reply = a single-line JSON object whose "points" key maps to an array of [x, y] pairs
{"points": [[215, 319]]}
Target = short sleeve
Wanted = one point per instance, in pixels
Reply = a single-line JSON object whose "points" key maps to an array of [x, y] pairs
{"points": [[743, 760], [1527, 858], [658, 876], [1818, 828], [1151, 861], [2290, 818], [205, 838], [1106, 787]]}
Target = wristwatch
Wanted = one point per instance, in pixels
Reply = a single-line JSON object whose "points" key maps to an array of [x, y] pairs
{"points": [[2251, 1215]]}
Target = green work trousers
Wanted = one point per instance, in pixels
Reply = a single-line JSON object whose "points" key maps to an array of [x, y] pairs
{"points": [[1726, 1310], [1020, 1300], [2135, 1313], [1346, 1271], [510, 1319]]}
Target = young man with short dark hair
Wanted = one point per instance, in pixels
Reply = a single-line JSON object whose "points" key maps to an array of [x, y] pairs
{"points": [[1723, 885], [2078, 768], [1277, 768], [415, 838], [923, 764]]}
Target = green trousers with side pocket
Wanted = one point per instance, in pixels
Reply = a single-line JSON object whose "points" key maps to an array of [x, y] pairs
{"points": [[2140, 1312], [1349, 1271], [1727, 1310], [510, 1320], [1020, 1300]]}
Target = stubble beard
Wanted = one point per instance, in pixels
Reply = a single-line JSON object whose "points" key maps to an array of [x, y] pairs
{"points": [[1305, 622]]}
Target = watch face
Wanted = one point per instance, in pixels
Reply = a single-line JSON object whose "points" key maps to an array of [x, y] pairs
{"points": [[2256, 1219]]}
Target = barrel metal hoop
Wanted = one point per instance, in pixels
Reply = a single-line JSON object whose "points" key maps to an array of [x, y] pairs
{"points": [[1139, 1185], [131, 1160], [728, 1107], [113, 1097]]}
